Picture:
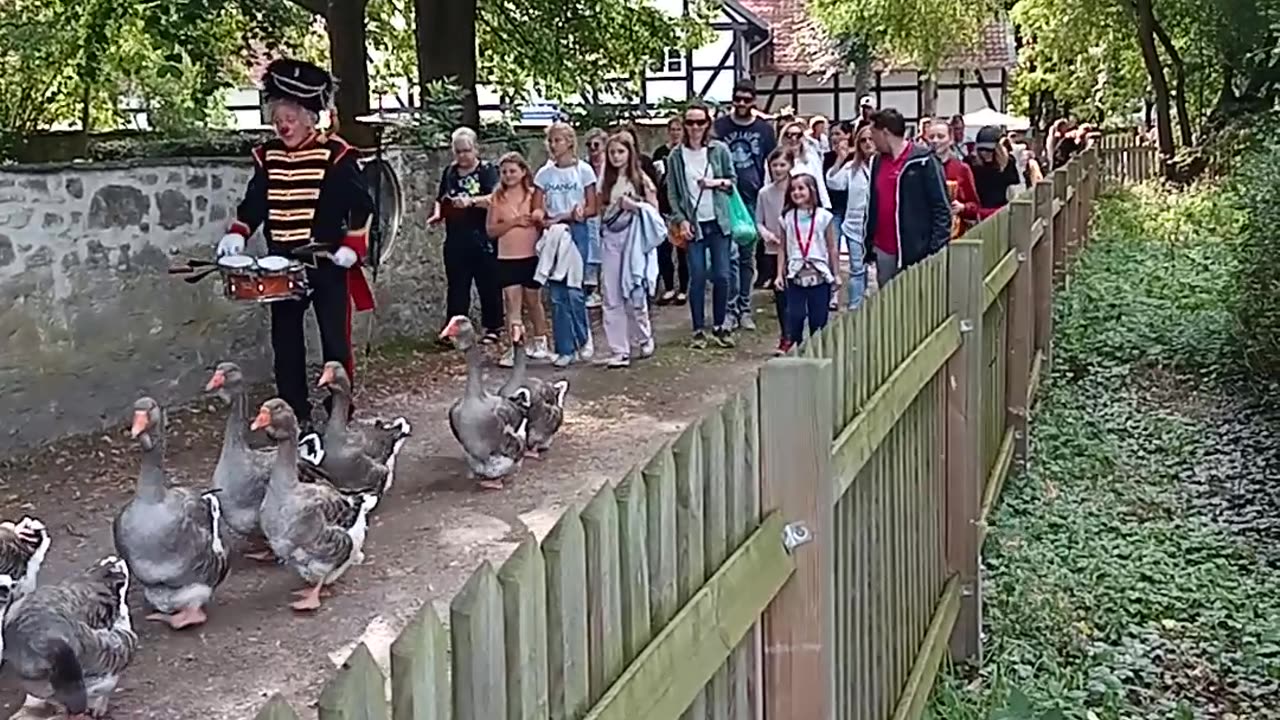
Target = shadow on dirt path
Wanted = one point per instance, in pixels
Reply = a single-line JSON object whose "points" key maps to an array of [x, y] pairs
{"points": [[424, 541]]}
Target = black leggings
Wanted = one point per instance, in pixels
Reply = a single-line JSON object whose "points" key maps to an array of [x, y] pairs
{"points": [[467, 262], [667, 267]]}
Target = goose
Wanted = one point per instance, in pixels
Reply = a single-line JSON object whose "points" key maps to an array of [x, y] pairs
{"points": [[359, 456], [317, 531], [23, 546], [7, 596], [492, 429], [170, 536], [242, 472], [69, 641], [543, 401]]}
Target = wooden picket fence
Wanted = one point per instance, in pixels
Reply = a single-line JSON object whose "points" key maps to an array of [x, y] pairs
{"points": [[807, 550], [1126, 157]]}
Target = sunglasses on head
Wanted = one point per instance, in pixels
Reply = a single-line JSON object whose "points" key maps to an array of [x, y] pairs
{"points": [[695, 122]]}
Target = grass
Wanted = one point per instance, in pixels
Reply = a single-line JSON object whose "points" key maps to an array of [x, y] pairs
{"points": [[1107, 595]]}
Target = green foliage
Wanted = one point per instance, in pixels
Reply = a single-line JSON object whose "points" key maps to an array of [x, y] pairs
{"points": [[194, 143], [1109, 594], [892, 29], [72, 61], [1085, 53], [1257, 254], [561, 48]]}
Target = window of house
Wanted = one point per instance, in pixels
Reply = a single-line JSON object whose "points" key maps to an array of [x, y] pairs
{"points": [[672, 62]]}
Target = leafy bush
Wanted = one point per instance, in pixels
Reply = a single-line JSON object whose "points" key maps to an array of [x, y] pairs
{"points": [[197, 144], [1257, 254]]}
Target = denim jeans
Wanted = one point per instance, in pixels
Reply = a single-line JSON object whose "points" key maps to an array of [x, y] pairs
{"points": [[568, 317], [715, 243], [807, 303], [741, 273], [857, 280]]}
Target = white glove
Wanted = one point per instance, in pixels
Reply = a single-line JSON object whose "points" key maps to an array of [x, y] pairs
{"points": [[230, 244], [345, 257]]}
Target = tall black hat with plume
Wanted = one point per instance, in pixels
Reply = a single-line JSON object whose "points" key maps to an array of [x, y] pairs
{"points": [[300, 82]]}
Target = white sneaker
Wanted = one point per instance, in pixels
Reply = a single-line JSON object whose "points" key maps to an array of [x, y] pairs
{"points": [[539, 350], [746, 322], [589, 350], [621, 361], [562, 361], [594, 300], [508, 358], [647, 348]]}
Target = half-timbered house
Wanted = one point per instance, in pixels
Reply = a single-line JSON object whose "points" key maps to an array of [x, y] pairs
{"points": [[799, 68]]}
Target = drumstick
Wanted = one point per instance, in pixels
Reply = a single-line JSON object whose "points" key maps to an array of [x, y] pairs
{"points": [[199, 275]]}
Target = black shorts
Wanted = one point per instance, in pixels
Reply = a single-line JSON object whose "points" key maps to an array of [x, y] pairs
{"points": [[518, 272]]}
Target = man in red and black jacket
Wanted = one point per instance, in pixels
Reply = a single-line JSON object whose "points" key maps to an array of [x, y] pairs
{"points": [[908, 214], [307, 189]]}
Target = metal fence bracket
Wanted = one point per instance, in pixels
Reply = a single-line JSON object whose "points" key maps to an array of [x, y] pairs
{"points": [[794, 535]]}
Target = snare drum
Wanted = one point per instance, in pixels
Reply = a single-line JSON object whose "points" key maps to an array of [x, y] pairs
{"points": [[269, 279]]}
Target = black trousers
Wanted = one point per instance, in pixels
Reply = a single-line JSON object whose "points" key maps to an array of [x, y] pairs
{"points": [[669, 257], [332, 305], [467, 262]]}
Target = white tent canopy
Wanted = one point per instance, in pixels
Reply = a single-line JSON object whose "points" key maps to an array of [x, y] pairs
{"points": [[987, 116]]}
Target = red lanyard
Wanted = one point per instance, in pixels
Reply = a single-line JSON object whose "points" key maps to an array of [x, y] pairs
{"points": [[805, 244]]}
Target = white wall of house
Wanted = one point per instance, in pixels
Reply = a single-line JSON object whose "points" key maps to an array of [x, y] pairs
{"points": [[835, 97]]}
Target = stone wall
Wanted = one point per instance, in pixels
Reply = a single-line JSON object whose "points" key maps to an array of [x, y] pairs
{"points": [[90, 319]]}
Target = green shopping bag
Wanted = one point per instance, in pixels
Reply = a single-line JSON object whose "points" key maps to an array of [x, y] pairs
{"points": [[742, 225]]}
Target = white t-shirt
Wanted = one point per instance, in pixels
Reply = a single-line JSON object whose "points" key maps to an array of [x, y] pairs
{"points": [[564, 187], [696, 166], [801, 225]]}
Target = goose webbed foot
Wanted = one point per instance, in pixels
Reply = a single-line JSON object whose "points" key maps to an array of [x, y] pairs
{"points": [[308, 599], [264, 556], [488, 484], [533, 454], [186, 617]]}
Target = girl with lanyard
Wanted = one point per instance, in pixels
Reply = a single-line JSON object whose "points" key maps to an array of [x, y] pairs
{"points": [[806, 262]]}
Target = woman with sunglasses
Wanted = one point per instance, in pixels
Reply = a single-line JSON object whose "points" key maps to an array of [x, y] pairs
{"points": [[851, 176], [808, 156], [700, 177]]}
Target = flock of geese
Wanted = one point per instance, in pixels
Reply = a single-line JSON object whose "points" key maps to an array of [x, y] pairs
{"points": [[301, 502]]}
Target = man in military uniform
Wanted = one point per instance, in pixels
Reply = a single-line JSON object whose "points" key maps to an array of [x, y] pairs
{"points": [[311, 201]]}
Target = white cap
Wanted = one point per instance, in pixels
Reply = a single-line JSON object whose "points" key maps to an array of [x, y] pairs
{"points": [[867, 101]]}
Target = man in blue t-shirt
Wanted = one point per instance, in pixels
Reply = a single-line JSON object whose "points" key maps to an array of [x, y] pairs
{"points": [[750, 139]]}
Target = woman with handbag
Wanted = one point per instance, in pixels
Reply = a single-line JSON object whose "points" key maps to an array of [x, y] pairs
{"points": [[700, 180], [626, 192]]}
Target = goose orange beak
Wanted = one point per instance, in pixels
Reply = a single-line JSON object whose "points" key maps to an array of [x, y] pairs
{"points": [[263, 420], [215, 382], [326, 377], [140, 423]]}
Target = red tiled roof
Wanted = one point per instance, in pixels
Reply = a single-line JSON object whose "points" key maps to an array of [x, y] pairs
{"points": [[799, 45]]}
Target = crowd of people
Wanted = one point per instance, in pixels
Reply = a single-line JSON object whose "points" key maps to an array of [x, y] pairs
{"points": [[820, 213]]}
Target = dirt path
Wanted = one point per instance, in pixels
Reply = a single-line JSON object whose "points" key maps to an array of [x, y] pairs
{"points": [[424, 541]]}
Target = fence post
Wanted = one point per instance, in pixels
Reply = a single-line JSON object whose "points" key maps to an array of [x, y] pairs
{"points": [[963, 459], [1022, 315], [1042, 266], [795, 478], [1060, 215]]}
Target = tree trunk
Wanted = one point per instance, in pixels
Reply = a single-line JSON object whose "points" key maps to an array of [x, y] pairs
{"points": [[1180, 84], [928, 94], [445, 31], [862, 79], [1155, 71], [348, 55]]}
